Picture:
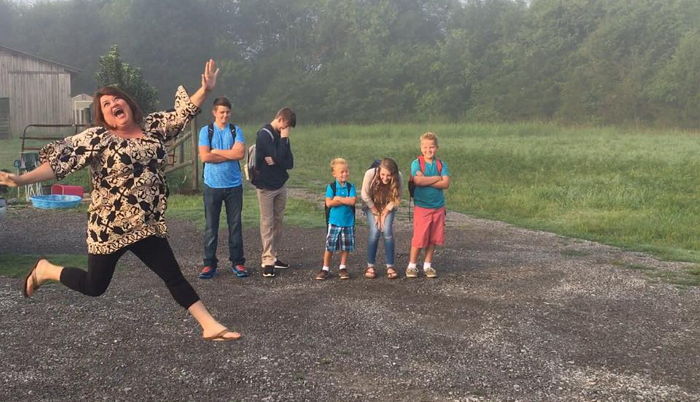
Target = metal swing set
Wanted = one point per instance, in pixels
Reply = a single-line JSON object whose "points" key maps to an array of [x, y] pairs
{"points": [[29, 154]]}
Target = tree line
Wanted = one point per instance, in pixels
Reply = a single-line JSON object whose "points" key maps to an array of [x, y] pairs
{"points": [[573, 61]]}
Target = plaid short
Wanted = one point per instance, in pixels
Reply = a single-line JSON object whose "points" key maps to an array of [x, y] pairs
{"points": [[340, 238]]}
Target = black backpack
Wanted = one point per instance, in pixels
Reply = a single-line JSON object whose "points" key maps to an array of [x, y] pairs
{"points": [[334, 190], [210, 132]]}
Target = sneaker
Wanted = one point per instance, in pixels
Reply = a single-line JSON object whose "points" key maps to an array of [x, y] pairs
{"points": [[239, 270], [430, 272], [281, 265], [322, 275], [207, 272], [411, 272], [268, 271], [344, 274]]}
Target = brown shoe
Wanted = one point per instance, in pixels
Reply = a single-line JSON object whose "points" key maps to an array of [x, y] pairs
{"points": [[344, 274], [322, 275], [370, 273]]}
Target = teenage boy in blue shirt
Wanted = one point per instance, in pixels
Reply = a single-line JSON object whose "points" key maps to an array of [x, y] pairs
{"points": [[221, 146]]}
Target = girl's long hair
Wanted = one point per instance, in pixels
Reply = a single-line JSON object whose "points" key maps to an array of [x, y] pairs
{"points": [[382, 194]]}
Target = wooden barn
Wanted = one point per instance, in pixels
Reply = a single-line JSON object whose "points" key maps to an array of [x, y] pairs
{"points": [[33, 90]]}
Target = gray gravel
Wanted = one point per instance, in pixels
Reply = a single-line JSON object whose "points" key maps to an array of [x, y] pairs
{"points": [[514, 315]]}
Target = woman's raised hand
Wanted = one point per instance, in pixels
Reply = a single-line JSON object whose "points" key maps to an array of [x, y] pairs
{"points": [[209, 76], [8, 179]]}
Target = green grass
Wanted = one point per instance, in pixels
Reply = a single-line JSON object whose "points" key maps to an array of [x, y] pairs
{"points": [[637, 189], [299, 212], [16, 265]]}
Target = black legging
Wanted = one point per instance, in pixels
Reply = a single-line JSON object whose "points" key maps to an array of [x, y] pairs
{"points": [[154, 251]]}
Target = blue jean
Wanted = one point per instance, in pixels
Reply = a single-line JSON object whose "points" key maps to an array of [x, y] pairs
{"points": [[373, 238], [233, 199]]}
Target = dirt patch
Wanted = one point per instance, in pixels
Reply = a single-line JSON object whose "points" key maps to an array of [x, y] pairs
{"points": [[515, 314]]}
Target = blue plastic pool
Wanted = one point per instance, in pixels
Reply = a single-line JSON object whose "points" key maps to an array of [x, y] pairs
{"points": [[55, 201]]}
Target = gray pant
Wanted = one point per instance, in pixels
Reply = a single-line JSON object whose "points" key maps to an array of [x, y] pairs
{"points": [[272, 204]]}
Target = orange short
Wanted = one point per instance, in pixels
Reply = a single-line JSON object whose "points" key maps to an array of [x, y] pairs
{"points": [[428, 227]]}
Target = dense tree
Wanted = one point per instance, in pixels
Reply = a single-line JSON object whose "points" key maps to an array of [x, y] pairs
{"points": [[582, 61], [114, 72]]}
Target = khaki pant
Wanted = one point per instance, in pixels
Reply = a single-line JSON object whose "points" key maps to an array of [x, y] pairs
{"points": [[272, 204]]}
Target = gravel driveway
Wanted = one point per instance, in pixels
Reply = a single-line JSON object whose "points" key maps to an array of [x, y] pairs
{"points": [[515, 314]]}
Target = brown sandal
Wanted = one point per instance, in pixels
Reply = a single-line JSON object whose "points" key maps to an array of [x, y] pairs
{"points": [[391, 273], [369, 273], [35, 282], [220, 337]]}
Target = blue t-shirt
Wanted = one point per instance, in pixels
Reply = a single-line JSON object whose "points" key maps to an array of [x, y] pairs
{"points": [[342, 214], [429, 197], [224, 174]]}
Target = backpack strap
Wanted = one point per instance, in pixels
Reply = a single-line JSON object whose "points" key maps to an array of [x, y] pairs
{"points": [[210, 132], [421, 163], [438, 163], [272, 137]]}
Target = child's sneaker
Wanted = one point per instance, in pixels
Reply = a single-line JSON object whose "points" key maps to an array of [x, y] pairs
{"points": [[430, 272], [343, 274], [322, 275], [411, 272], [208, 272], [239, 270]]}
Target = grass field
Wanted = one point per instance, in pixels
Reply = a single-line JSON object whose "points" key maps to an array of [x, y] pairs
{"points": [[632, 188], [637, 189]]}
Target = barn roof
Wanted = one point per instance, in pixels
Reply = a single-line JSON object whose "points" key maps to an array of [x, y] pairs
{"points": [[70, 69]]}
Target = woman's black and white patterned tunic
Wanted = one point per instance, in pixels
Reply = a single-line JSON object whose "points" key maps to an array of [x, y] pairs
{"points": [[129, 192]]}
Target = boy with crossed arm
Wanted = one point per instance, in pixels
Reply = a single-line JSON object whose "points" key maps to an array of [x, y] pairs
{"points": [[431, 177]]}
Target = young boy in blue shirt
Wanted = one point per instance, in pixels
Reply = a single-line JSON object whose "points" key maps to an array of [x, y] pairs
{"points": [[340, 200], [431, 178]]}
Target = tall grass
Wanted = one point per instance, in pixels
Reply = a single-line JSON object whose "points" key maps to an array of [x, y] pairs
{"points": [[637, 189]]}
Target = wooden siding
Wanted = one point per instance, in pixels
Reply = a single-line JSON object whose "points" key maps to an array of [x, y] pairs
{"points": [[4, 118], [38, 91]]}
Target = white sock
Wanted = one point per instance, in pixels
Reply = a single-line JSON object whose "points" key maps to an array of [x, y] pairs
{"points": [[325, 268], [411, 264], [342, 266], [426, 265]]}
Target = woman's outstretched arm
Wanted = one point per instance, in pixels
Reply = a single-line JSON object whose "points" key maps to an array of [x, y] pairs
{"points": [[41, 173]]}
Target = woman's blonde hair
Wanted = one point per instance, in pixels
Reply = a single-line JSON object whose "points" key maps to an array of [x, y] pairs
{"points": [[382, 194]]}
